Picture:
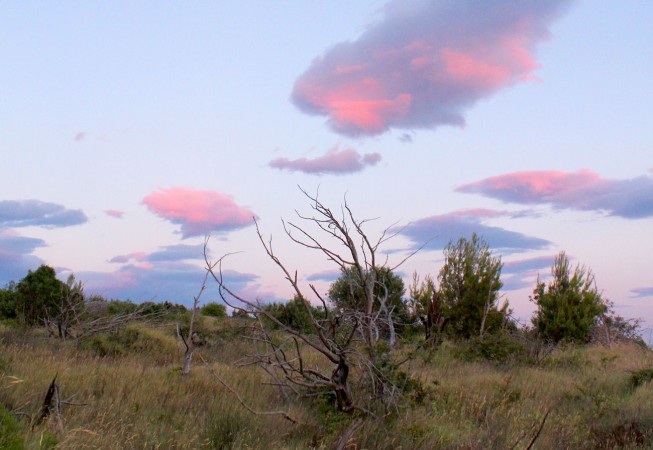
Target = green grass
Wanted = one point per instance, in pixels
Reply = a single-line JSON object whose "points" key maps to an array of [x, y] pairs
{"points": [[129, 393]]}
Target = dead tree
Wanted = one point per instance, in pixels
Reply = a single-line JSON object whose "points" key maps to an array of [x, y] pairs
{"points": [[359, 255], [335, 333], [70, 308], [192, 341], [74, 321]]}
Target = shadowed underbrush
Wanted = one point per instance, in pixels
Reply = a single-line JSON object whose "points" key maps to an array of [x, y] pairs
{"points": [[125, 390]]}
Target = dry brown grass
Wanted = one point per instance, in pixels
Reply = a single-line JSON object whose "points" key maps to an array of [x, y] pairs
{"points": [[136, 398]]}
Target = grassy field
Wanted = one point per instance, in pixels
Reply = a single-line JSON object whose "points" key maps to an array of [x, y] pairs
{"points": [[126, 391]]}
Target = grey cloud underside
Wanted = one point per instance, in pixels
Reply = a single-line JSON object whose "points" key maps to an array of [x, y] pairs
{"points": [[333, 162], [324, 276], [439, 231], [178, 252], [629, 199], [530, 264], [24, 213], [642, 292], [16, 257], [173, 281]]}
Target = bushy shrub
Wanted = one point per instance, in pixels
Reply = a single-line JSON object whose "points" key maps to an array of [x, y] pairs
{"points": [[119, 307], [8, 302], [134, 339], [498, 348], [10, 432], [294, 314], [214, 309], [641, 377]]}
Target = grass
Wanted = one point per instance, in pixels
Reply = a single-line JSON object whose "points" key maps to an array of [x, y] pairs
{"points": [[129, 393]]}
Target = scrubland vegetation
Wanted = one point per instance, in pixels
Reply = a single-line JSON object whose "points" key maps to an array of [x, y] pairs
{"points": [[370, 366], [127, 392]]}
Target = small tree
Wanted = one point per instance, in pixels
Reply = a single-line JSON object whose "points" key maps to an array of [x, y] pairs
{"points": [[469, 284], [569, 305], [39, 295]]}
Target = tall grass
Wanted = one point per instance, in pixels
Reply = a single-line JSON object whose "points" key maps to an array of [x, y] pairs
{"points": [[129, 393]]}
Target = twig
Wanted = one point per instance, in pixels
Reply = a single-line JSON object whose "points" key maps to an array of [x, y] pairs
{"points": [[345, 437], [240, 399], [538, 431]]}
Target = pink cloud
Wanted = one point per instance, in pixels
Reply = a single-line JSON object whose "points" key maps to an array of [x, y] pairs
{"points": [[114, 213], [198, 212], [335, 161], [581, 190], [424, 63], [79, 137]]}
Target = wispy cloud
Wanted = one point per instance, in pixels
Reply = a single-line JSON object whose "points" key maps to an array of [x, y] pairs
{"points": [[582, 190], [327, 275], [198, 212], [440, 229], [25, 213], [173, 273], [642, 292], [179, 252], [114, 213], [528, 265], [335, 161], [425, 63], [523, 273]]}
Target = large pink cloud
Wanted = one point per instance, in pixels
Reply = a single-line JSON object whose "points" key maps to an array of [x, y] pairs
{"points": [[581, 190], [335, 161], [198, 212], [424, 63]]}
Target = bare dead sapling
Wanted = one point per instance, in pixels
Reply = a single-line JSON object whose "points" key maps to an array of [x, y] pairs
{"points": [[344, 339]]}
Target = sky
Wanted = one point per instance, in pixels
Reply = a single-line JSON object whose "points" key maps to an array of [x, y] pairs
{"points": [[130, 131]]}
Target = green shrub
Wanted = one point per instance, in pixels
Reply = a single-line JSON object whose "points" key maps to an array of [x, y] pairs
{"points": [[118, 307], [641, 377], [498, 348], [294, 314], [569, 306], [10, 431], [8, 302], [133, 339], [214, 309]]}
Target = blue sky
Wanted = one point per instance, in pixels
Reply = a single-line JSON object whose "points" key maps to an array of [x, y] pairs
{"points": [[130, 130]]}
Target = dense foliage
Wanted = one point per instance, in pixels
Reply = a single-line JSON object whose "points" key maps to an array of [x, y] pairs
{"points": [[214, 309], [347, 292], [295, 315], [569, 305], [41, 295], [469, 286]]}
